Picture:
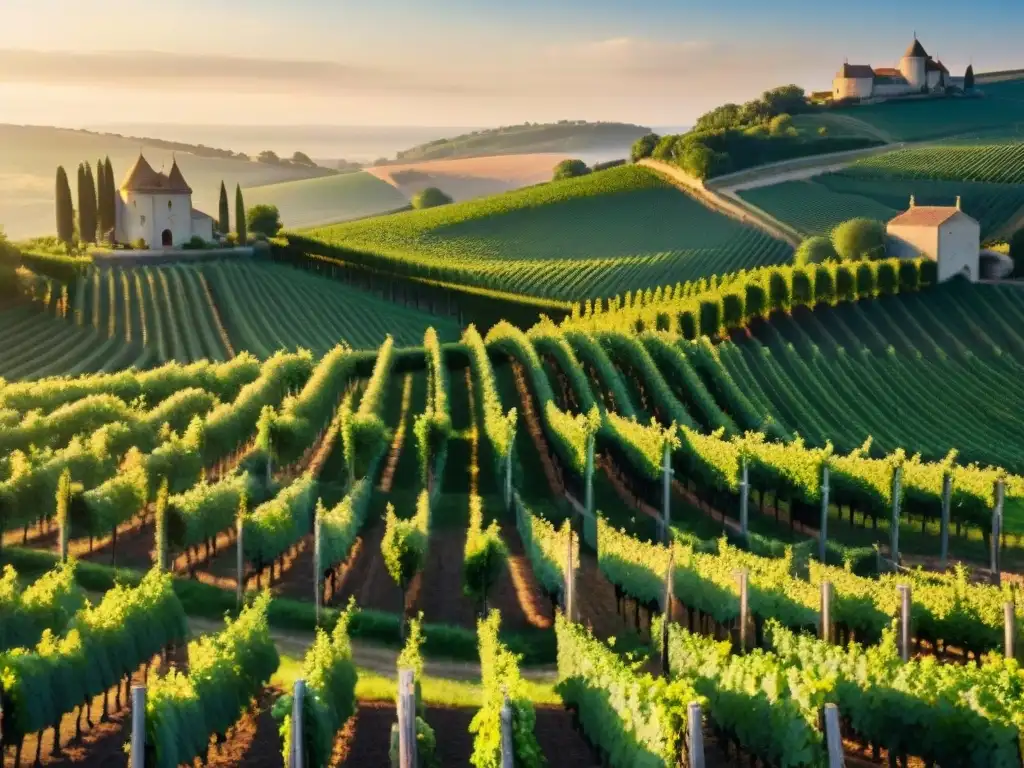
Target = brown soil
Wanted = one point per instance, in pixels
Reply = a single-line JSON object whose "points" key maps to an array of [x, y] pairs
{"points": [[560, 742], [595, 599], [367, 736], [365, 576], [441, 598], [254, 741], [517, 594]]}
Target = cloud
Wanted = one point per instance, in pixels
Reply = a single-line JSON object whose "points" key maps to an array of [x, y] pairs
{"points": [[632, 56], [134, 69]]}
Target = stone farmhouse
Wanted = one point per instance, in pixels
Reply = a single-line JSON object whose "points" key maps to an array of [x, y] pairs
{"points": [[944, 234], [157, 207]]}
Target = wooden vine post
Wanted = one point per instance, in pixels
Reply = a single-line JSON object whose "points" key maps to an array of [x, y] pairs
{"points": [[744, 579], [905, 608], [823, 525], [508, 469], [997, 529], [695, 736], [296, 751], [138, 726], [666, 502], [318, 570], [826, 611], [508, 752], [833, 737], [666, 614], [240, 558], [64, 514], [570, 580], [947, 503], [1009, 629], [588, 475], [745, 502], [894, 532], [406, 719]]}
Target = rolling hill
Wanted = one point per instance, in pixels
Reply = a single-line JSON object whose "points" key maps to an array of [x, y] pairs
{"points": [[327, 200], [29, 156], [603, 234], [999, 112], [567, 136]]}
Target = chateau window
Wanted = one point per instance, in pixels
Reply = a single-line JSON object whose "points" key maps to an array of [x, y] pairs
{"points": [[168, 205], [143, 219]]}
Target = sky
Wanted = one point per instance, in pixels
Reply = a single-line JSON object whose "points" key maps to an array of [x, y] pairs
{"points": [[457, 62]]}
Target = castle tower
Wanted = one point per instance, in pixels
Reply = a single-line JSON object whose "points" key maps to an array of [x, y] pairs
{"points": [[914, 64]]}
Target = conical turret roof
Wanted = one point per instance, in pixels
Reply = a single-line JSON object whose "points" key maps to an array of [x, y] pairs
{"points": [[916, 51], [176, 182], [142, 178]]}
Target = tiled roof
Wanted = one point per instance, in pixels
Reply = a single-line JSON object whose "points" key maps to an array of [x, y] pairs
{"points": [[925, 216], [857, 72], [142, 178], [935, 66], [887, 72]]}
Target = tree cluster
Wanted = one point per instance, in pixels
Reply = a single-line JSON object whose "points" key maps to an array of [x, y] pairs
{"points": [[568, 169], [431, 197], [853, 240]]}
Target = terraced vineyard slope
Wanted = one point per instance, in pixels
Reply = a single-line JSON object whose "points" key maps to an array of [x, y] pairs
{"points": [[598, 235]]}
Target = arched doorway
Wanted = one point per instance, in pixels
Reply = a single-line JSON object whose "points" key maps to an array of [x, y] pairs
{"points": [[166, 238]]}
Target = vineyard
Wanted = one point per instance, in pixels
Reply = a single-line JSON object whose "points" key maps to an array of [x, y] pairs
{"points": [[877, 191], [519, 499], [996, 162], [584, 237], [116, 317]]}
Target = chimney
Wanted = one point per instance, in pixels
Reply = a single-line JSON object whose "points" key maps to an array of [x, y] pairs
{"points": [[958, 207]]}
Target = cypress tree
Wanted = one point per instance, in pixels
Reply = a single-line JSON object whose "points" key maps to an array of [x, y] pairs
{"points": [[87, 204], [65, 208], [80, 207], [224, 219], [969, 78], [102, 224], [240, 216], [110, 196]]}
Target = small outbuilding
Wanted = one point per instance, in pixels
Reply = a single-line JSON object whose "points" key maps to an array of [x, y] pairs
{"points": [[944, 234]]}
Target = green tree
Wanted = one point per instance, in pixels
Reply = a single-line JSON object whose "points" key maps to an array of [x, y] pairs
{"points": [[815, 250], [781, 125], [1017, 252], [969, 78], [65, 208], [568, 169], [87, 212], [431, 197], [101, 209], [240, 224], [859, 239], [263, 219], [644, 146], [110, 196], [224, 212], [301, 158], [269, 156]]}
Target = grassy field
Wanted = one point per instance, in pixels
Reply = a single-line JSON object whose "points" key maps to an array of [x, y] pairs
{"points": [[599, 235], [815, 206], [928, 372], [29, 156], [315, 202], [999, 112]]}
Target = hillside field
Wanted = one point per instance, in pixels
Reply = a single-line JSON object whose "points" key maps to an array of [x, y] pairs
{"points": [[998, 112], [116, 317], [327, 200], [29, 157], [598, 235]]}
